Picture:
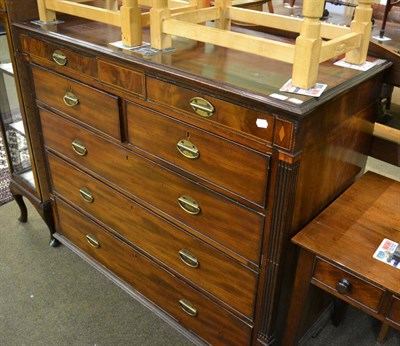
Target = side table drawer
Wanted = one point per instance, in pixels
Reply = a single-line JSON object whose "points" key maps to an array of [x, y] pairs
{"points": [[350, 286], [192, 309], [200, 263], [394, 312], [234, 167], [192, 102], [91, 106]]}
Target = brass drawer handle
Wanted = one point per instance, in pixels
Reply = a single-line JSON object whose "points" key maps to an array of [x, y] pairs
{"points": [[70, 99], [86, 195], [188, 307], [79, 147], [189, 205], [59, 58], [188, 149], [202, 107], [343, 286], [188, 258], [92, 241]]}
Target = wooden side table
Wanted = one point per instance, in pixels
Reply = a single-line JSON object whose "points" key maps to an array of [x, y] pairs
{"points": [[337, 248]]}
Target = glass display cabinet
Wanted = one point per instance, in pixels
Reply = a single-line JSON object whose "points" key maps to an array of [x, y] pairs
{"points": [[26, 178]]}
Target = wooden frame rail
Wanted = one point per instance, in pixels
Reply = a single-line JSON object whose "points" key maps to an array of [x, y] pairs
{"points": [[317, 41], [126, 14]]}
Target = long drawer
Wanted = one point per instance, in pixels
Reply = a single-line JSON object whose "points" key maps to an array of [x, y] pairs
{"points": [[193, 310], [227, 224], [195, 103], [203, 265], [235, 168], [89, 105]]}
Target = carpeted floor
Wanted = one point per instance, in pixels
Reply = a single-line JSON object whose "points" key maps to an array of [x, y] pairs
{"points": [[50, 296], [5, 195]]}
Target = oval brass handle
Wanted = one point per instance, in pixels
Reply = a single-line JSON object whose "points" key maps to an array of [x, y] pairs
{"points": [[188, 307], [188, 258], [86, 195], [79, 147], [189, 205], [188, 149], [202, 107], [59, 58], [70, 99], [92, 241], [343, 286]]}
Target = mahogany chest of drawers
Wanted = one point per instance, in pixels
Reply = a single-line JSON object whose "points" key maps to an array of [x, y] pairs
{"points": [[181, 178]]}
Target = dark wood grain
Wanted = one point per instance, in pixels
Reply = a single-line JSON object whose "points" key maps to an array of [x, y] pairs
{"points": [[96, 108], [353, 227], [160, 188], [235, 168], [217, 273], [155, 283]]}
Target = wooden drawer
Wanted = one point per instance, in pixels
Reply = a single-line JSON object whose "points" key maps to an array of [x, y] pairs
{"points": [[394, 312], [235, 168], [359, 290], [209, 268], [214, 323], [130, 80], [67, 60], [236, 117], [220, 220], [91, 106]]}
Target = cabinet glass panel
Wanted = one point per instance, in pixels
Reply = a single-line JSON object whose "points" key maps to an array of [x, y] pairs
{"points": [[13, 128]]}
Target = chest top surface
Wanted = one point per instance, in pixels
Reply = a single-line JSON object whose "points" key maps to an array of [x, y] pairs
{"points": [[225, 70]]}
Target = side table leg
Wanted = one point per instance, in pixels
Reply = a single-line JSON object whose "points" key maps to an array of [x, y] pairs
{"points": [[298, 300], [22, 207], [383, 333], [339, 311]]}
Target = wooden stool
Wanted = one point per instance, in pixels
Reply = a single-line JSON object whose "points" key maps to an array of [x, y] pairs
{"points": [[336, 253]]}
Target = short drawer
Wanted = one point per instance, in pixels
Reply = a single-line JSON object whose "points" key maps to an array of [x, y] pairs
{"points": [[350, 286], [198, 104], [394, 311], [234, 167], [229, 225], [200, 263], [127, 79], [59, 57], [193, 310], [91, 106]]}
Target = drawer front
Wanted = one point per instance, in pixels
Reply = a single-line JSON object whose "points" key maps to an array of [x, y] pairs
{"points": [[359, 290], [192, 258], [229, 225], [201, 315], [235, 168], [394, 312], [59, 57], [91, 106], [126, 79], [236, 117]]}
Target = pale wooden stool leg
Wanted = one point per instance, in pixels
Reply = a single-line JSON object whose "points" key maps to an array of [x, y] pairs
{"points": [[158, 12], [131, 23], [361, 24], [45, 15], [223, 22], [308, 46]]}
